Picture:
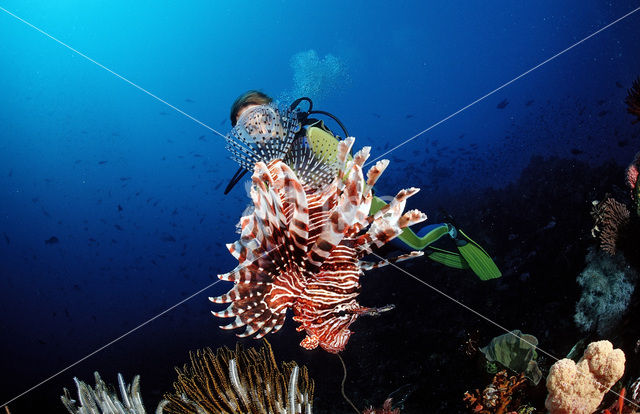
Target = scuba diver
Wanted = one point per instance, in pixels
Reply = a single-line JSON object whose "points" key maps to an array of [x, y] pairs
{"points": [[255, 117]]}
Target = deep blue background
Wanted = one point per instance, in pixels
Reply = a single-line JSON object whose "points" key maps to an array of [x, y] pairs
{"points": [[76, 142]]}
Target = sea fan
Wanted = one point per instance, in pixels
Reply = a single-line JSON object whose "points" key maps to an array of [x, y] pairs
{"points": [[240, 381]]}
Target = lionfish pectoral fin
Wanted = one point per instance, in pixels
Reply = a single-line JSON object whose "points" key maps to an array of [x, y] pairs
{"points": [[226, 298], [226, 313], [310, 342], [274, 324], [233, 325]]}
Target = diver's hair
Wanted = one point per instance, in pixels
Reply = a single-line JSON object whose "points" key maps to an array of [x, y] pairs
{"points": [[251, 97]]}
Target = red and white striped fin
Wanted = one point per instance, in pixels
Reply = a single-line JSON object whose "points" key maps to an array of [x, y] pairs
{"points": [[374, 173], [411, 217], [295, 196], [344, 147]]}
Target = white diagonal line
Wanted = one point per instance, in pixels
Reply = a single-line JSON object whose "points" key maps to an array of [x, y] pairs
{"points": [[491, 321], [504, 85], [113, 72]]}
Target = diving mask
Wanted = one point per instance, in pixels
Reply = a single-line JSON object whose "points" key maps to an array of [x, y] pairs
{"points": [[260, 124], [262, 133]]}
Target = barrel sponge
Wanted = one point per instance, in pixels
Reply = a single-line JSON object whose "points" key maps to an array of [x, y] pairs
{"points": [[579, 388]]}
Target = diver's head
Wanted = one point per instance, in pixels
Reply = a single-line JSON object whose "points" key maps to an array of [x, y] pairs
{"points": [[245, 101]]}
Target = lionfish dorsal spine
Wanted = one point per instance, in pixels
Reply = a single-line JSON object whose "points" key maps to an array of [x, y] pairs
{"points": [[296, 197], [374, 173]]}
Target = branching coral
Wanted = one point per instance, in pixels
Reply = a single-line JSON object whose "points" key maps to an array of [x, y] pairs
{"points": [[240, 381], [497, 396], [386, 409], [102, 398], [632, 181], [633, 100], [579, 388], [611, 217]]}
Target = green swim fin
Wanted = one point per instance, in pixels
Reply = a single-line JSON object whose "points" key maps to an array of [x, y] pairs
{"points": [[447, 258], [477, 258]]}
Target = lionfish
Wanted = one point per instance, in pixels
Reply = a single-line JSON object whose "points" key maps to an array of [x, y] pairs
{"points": [[301, 247]]}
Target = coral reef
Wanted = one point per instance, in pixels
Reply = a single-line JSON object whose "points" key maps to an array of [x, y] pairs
{"points": [[611, 218], [498, 396], [608, 283], [579, 388], [632, 181], [240, 381], [516, 351], [386, 409], [615, 226], [103, 400], [633, 100]]}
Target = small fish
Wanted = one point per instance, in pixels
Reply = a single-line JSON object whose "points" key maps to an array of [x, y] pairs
{"points": [[576, 151], [6, 238], [202, 138], [223, 121], [409, 116], [120, 207], [602, 113], [189, 100], [51, 240], [619, 85], [168, 238], [601, 101], [623, 142], [118, 227], [529, 102], [125, 178], [376, 115], [102, 162], [503, 104]]}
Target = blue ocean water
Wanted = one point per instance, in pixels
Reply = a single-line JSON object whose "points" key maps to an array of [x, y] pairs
{"points": [[112, 208]]}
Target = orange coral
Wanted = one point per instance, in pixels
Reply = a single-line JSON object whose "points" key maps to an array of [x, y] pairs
{"points": [[497, 396], [579, 388]]}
